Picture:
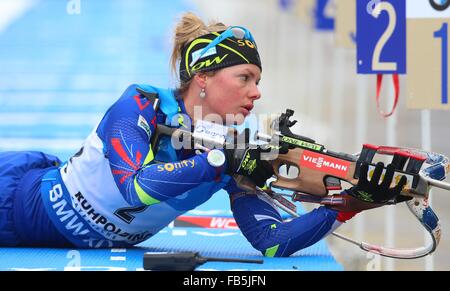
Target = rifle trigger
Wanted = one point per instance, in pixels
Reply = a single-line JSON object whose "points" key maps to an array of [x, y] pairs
{"points": [[332, 183]]}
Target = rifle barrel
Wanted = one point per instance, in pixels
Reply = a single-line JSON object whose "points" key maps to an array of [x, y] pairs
{"points": [[438, 184]]}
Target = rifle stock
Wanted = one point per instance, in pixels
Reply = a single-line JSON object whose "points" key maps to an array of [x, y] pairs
{"points": [[313, 173], [320, 173]]}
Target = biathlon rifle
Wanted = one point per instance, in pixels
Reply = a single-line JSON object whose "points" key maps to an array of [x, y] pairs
{"points": [[311, 171]]}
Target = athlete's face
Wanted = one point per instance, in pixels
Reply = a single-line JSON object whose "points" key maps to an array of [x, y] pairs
{"points": [[232, 91]]}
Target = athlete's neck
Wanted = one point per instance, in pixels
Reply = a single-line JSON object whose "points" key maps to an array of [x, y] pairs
{"points": [[195, 106]]}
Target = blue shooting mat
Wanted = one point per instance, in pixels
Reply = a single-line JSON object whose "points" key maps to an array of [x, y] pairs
{"points": [[209, 242], [59, 72]]}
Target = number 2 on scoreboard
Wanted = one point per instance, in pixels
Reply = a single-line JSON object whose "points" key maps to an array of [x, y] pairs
{"points": [[376, 63]]}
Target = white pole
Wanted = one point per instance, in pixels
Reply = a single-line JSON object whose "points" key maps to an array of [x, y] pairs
{"points": [[362, 90], [317, 82], [282, 59], [391, 140], [337, 98], [425, 118]]}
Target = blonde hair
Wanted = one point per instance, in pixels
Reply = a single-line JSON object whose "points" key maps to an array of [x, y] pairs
{"points": [[189, 28]]}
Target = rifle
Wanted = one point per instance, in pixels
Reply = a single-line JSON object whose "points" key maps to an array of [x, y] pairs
{"points": [[311, 171]]}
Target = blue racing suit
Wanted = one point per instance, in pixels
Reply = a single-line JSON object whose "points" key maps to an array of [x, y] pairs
{"points": [[117, 191]]}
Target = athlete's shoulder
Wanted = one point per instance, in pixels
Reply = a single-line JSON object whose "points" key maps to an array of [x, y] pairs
{"points": [[136, 100], [134, 108]]}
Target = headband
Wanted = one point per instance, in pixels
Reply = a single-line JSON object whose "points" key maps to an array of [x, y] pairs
{"points": [[229, 51]]}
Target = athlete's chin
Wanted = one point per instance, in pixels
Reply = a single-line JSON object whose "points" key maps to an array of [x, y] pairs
{"points": [[239, 119]]}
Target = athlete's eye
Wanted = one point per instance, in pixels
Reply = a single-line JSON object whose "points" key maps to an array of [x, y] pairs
{"points": [[244, 78]]}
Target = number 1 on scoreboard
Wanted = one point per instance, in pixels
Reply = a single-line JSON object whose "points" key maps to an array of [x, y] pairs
{"points": [[443, 33]]}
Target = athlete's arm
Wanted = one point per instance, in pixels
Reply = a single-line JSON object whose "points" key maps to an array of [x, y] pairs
{"points": [[264, 228], [126, 131]]}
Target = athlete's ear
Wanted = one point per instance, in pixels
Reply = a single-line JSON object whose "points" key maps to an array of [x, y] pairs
{"points": [[200, 79]]}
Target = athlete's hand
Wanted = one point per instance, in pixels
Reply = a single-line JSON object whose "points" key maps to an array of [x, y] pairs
{"points": [[374, 192], [247, 162]]}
